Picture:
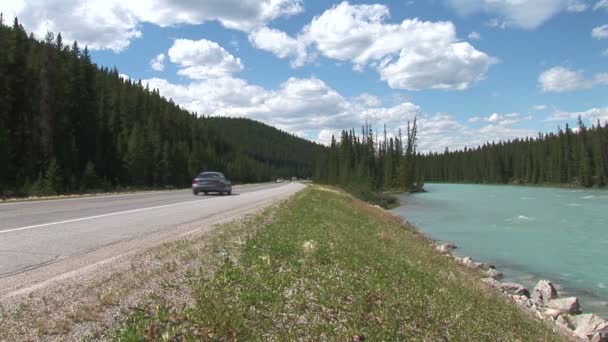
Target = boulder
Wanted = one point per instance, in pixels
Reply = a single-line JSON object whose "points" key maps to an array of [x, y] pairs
{"points": [[445, 247], [468, 262], [543, 292], [515, 288], [493, 273], [564, 305], [491, 281], [523, 301], [590, 326], [562, 322]]}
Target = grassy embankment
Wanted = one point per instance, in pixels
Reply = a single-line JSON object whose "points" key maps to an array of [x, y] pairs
{"points": [[328, 267]]}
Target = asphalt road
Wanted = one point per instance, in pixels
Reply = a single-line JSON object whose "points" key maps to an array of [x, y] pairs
{"points": [[34, 234]]}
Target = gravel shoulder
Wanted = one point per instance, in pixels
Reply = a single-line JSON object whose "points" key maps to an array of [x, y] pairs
{"points": [[79, 298]]}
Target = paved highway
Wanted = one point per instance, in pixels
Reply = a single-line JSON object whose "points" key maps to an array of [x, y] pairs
{"points": [[39, 233]]}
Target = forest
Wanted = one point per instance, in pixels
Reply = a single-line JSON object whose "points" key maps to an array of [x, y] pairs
{"points": [[571, 156], [366, 165], [67, 125]]}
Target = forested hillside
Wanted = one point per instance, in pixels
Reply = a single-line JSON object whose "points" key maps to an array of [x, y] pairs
{"points": [[68, 125], [287, 154], [568, 157]]}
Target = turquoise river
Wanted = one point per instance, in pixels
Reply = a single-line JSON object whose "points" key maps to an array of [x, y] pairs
{"points": [[528, 233]]}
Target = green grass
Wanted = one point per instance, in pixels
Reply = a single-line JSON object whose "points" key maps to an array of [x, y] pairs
{"points": [[328, 267]]}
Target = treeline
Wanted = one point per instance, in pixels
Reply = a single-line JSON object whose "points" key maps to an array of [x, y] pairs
{"points": [[365, 164], [288, 154], [567, 157], [67, 125]]}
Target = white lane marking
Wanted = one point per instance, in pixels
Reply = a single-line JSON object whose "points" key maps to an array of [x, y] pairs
{"points": [[124, 195], [93, 217]]}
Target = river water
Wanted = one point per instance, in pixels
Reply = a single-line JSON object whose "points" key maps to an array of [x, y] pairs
{"points": [[528, 233]]}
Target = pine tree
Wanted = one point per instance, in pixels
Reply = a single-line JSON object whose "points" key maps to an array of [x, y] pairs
{"points": [[90, 180], [53, 179]]}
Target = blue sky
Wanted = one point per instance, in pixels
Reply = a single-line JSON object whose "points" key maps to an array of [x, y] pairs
{"points": [[471, 70]]}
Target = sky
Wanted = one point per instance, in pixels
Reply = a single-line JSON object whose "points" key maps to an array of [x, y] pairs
{"points": [[470, 71]]}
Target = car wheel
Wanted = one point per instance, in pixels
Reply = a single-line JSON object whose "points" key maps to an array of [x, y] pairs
{"points": [[195, 193], [229, 192], [205, 193]]}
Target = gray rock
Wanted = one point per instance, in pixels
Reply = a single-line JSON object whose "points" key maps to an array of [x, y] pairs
{"points": [[590, 326], [493, 273], [523, 301], [543, 292], [468, 262], [491, 281], [560, 321], [515, 288], [564, 305], [600, 337], [553, 313], [445, 247]]}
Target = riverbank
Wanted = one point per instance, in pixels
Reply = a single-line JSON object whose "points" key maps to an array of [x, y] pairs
{"points": [[325, 266], [544, 301]]}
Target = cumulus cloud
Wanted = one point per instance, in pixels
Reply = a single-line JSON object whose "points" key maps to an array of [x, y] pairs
{"points": [[280, 44], [601, 4], [309, 107], [113, 24], [560, 79], [591, 115], [412, 55], [526, 14], [203, 59], [438, 131], [158, 63], [474, 36], [576, 6], [456, 67], [600, 32], [244, 15], [97, 24]]}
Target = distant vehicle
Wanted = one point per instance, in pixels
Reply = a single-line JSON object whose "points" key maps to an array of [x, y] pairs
{"points": [[293, 179], [279, 180], [207, 182]]}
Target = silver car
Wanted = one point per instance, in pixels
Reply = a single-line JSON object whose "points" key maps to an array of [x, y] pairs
{"points": [[207, 182]]}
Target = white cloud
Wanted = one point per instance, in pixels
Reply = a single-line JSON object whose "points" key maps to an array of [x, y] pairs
{"points": [[158, 63], [280, 44], [503, 119], [590, 115], [474, 36], [203, 59], [560, 79], [412, 55], [576, 6], [113, 24], [539, 107], [309, 105], [244, 15], [601, 4], [453, 68], [600, 32], [97, 24], [527, 14], [436, 132], [368, 100], [474, 119]]}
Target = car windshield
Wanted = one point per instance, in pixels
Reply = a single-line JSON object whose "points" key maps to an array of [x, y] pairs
{"points": [[210, 175]]}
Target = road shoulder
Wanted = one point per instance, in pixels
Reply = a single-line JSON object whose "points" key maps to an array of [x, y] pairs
{"points": [[82, 296]]}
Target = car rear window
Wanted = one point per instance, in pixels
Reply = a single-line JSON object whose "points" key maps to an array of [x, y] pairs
{"points": [[210, 175]]}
